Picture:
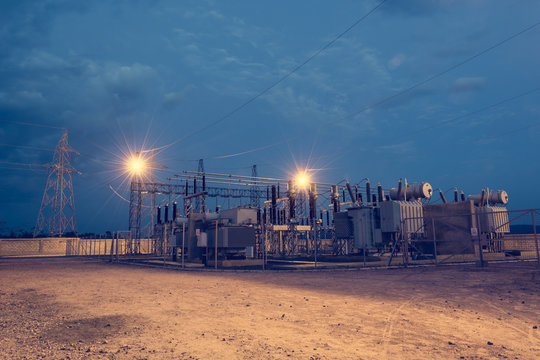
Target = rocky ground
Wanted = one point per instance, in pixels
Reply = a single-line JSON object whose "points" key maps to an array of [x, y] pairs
{"points": [[69, 308]]}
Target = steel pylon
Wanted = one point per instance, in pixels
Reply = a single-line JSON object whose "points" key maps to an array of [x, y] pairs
{"points": [[57, 214]]}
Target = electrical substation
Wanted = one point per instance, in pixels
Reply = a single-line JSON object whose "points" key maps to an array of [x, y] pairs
{"points": [[270, 180], [225, 220]]}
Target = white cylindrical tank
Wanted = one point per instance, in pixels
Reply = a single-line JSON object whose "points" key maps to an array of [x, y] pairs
{"points": [[414, 192], [497, 197]]}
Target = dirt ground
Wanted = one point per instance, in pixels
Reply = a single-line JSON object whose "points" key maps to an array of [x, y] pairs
{"points": [[83, 309]]}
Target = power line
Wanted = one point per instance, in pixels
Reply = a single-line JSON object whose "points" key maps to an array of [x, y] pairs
{"points": [[39, 171], [385, 100], [254, 149], [506, 132], [26, 147], [474, 112], [461, 117], [21, 164], [496, 136], [439, 74], [33, 124], [431, 78], [283, 78]]}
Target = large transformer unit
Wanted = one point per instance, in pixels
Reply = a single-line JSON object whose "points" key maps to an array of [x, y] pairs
{"points": [[366, 227], [343, 226], [195, 236], [240, 216], [493, 219], [397, 216], [450, 224], [456, 226], [380, 223]]}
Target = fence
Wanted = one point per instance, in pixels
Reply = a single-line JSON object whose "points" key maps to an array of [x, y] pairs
{"points": [[121, 244], [439, 236], [36, 247], [482, 235]]}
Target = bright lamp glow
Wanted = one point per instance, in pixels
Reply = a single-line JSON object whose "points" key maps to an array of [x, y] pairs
{"points": [[136, 165], [302, 180]]}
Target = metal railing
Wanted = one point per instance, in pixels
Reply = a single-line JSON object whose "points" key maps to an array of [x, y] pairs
{"points": [[477, 236]]}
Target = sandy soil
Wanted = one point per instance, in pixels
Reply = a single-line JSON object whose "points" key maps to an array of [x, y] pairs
{"points": [[81, 309]]}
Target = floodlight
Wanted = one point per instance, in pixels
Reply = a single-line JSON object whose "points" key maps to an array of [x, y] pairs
{"points": [[136, 165], [302, 180]]}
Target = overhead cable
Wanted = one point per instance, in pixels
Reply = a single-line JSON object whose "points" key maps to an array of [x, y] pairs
{"points": [[27, 147], [414, 86], [441, 73], [33, 124], [280, 80], [474, 112]]}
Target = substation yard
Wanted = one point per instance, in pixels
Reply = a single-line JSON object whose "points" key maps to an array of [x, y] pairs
{"points": [[70, 308]]}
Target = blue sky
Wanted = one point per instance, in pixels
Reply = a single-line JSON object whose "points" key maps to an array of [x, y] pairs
{"points": [[119, 73]]}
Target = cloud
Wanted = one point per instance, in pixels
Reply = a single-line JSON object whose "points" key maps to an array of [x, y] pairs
{"points": [[396, 61], [26, 24], [467, 84], [202, 13], [42, 60], [299, 107], [417, 7], [410, 97], [21, 99], [40, 86], [404, 148], [119, 83], [215, 14], [360, 61], [184, 34], [126, 76], [171, 100], [237, 61]]}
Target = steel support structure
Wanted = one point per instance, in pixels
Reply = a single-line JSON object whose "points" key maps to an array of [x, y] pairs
{"points": [[57, 214]]}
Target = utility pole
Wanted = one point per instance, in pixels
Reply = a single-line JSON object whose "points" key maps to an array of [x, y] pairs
{"points": [[201, 200], [254, 198], [57, 214]]}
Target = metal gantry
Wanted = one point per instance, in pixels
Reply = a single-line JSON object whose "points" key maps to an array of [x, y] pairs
{"points": [[142, 204], [287, 221]]}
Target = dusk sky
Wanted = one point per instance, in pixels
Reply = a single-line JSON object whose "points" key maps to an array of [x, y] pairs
{"points": [[137, 74]]}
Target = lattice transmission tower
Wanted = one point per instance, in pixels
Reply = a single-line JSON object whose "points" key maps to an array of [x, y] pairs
{"points": [[57, 213]]}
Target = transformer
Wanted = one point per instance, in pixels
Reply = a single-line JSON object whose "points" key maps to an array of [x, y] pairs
{"points": [[343, 225], [394, 214], [493, 219], [231, 237], [240, 216], [366, 227], [451, 225]]}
